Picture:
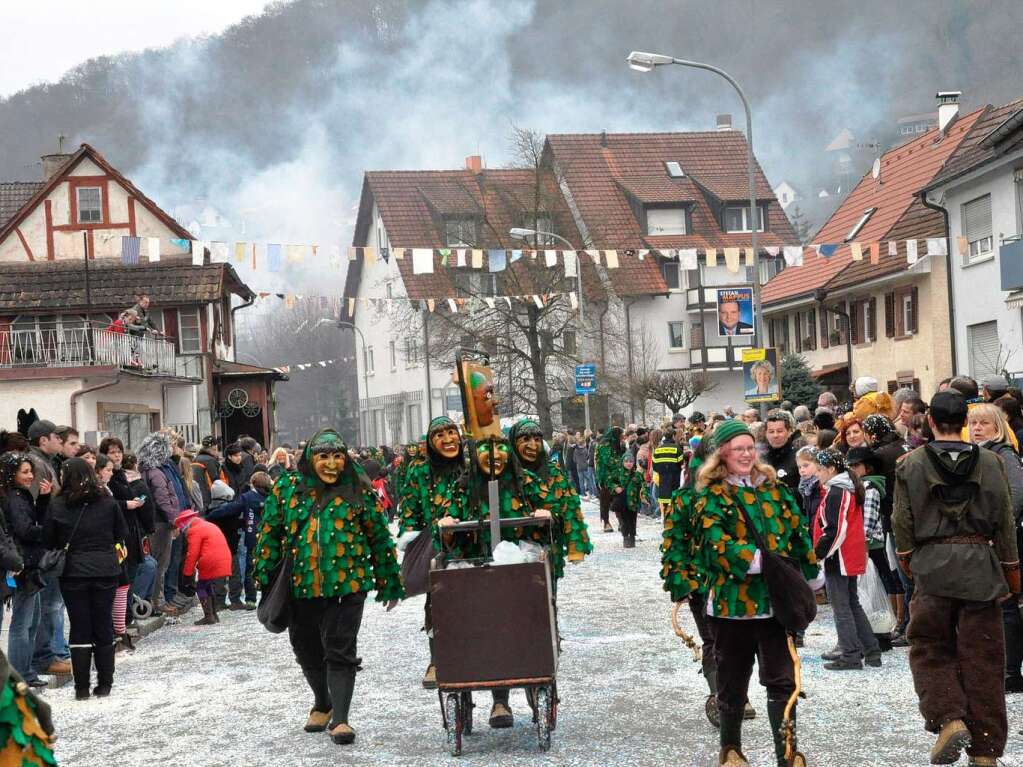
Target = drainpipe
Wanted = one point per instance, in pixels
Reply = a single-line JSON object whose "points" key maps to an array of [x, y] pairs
{"points": [[234, 324], [628, 350], [86, 390], [948, 268]]}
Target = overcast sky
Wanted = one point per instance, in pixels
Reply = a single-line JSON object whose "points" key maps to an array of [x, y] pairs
{"points": [[48, 37]]}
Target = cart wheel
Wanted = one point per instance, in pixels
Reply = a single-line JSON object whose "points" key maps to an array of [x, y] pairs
{"points": [[453, 715], [466, 706], [544, 717], [140, 608]]}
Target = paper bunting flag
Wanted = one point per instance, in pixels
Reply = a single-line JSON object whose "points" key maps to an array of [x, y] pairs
{"points": [[323, 363], [430, 303], [570, 263], [594, 254], [550, 258], [937, 246], [574, 300], [314, 249], [370, 255], [445, 256], [131, 247], [477, 258], [198, 252], [507, 301], [857, 251], [732, 259], [273, 257], [611, 258], [516, 255], [875, 253], [218, 252], [254, 246], [399, 253], [963, 245], [351, 307], [793, 255], [772, 250], [182, 244], [240, 252], [452, 306], [538, 301], [153, 249], [422, 261], [497, 259], [687, 258], [460, 257], [893, 248], [353, 254], [642, 254], [826, 250], [295, 254], [911, 252], [489, 300], [289, 301], [711, 254], [747, 254]]}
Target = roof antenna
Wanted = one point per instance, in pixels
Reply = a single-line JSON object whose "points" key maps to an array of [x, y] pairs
{"points": [[61, 138]]}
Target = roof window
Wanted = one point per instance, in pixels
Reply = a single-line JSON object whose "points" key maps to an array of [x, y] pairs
{"points": [[860, 224], [674, 169]]}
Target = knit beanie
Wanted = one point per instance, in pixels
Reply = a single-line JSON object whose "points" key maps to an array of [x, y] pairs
{"points": [[864, 385], [221, 491], [729, 430]]}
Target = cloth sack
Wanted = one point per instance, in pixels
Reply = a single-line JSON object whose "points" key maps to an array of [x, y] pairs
{"points": [[274, 609], [415, 565]]}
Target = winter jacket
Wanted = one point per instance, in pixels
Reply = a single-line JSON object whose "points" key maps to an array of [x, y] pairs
{"points": [[580, 455], [873, 496], [225, 511], [10, 556], [668, 460], [809, 494], [838, 536], [210, 465], [783, 460], [25, 518], [955, 489], [166, 499], [246, 511], [1013, 472], [207, 551], [236, 475], [147, 513], [43, 467], [195, 493], [91, 553], [121, 490], [889, 450]]}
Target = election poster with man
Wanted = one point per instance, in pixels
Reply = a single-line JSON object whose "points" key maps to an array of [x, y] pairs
{"points": [[735, 311]]}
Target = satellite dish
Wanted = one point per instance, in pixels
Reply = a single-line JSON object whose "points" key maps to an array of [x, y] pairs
{"points": [[875, 171]]}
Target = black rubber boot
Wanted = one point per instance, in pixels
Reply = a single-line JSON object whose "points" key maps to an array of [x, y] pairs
{"points": [[81, 669], [731, 728], [316, 677], [776, 716], [341, 683], [104, 670], [1012, 620]]}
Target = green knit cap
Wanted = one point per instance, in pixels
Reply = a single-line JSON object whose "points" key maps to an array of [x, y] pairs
{"points": [[729, 430]]}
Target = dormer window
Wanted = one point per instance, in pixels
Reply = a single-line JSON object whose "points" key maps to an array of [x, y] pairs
{"points": [[860, 224], [460, 232], [737, 218], [666, 220], [674, 169]]}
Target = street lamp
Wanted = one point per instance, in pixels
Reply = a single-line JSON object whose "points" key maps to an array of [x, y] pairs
{"points": [[521, 233], [365, 375], [645, 62]]}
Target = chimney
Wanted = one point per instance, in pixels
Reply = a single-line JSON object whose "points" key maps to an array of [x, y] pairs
{"points": [[948, 108], [724, 122], [52, 163], [603, 138], [474, 163]]}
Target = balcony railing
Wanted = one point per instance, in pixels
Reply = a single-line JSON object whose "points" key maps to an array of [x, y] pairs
{"points": [[716, 357], [80, 347], [1010, 258]]}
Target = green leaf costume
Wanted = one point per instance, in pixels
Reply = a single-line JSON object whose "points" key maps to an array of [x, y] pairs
{"points": [[607, 458], [680, 547], [338, 533], [22, 739], [434, 486]]}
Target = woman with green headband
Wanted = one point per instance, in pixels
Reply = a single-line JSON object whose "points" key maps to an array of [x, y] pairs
{"points": [[714, 553], [329, 517], [550, 489], [434, 488]]}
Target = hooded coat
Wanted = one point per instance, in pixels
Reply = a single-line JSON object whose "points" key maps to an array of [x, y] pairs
{"points": [[161, 476], [839, 539]]}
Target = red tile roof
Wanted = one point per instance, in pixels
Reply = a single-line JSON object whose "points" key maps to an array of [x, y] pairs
{"points": [[905, 170], [607, 173]]}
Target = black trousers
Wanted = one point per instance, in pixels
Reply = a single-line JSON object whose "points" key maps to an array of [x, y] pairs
{"points": [[627, 521], [737, 643], [90, 605], [698, 607], [324, 633], [605, 505], [233, 584]]}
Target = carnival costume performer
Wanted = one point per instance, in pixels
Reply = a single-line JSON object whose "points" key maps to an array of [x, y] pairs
{"points": [[607, 459], [434, 488], [399, 481], [26, 727], [720, 556], [330, 518], [550, 489], [492, 460]]}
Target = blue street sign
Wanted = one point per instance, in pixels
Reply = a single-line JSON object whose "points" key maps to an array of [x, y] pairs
{"points": [[585, 379]]}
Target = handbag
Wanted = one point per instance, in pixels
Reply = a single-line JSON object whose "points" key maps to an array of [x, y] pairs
{"points": [[53, 560], [415, 565], [792, 599], [274, 609]]}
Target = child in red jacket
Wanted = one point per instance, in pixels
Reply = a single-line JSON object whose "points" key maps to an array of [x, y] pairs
{"points": [[206, 551]]}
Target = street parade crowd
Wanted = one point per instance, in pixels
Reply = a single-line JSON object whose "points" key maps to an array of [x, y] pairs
{"points": [[915, 505]]}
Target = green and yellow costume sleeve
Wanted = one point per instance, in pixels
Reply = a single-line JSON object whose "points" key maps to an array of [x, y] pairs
{"points": [[570, 534], [632, 485], [680, 547], [726, 547], [344, 548], [23, 741], [414, 508], [604, 464]]}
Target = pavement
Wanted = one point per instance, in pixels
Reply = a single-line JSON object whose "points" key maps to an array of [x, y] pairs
{"points": [[631, 694]]}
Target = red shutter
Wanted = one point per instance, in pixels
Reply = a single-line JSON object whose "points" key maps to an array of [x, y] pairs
{"points": [[854, 321], [825, 329], [812, 335], [873, 319], [170, 324], [889, 315], [915, 309]]}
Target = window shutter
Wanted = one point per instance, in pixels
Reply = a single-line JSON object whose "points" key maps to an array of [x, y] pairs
{"points": [[799, 332], [977, 218], [914, 309], [825, 329], [854, 321], [770, 332], [892, 386], [982, 341], [873, 319], [812, 334], [889, 315]]}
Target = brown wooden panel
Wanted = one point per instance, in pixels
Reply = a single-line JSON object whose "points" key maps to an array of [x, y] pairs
{"points": [[493, 623]]}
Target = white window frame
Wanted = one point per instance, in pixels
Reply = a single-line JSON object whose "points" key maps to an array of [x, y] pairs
{"points": [[761, 214], [674, 228], [979, 248], [666, 267], [906, 311], [672, 347], [394, 355], [865, 337], [455, 230], [860, 224], [98, 210], [367, 360], [181, 330]]}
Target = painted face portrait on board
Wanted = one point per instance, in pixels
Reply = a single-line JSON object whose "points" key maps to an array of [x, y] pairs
{"points": [[481, 402]]}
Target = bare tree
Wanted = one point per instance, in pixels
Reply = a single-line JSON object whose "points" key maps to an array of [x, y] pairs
{"points": [[675, 389]]}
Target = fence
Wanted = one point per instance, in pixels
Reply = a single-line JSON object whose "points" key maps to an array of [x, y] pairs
{"points": [[83, 346]]}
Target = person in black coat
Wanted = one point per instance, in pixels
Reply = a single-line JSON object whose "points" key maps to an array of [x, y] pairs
{"points": [[782, 443], [88, 521]]}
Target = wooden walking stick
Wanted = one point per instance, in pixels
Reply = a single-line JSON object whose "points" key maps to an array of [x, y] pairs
{"points": [[681, 634], [793, 757]]}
